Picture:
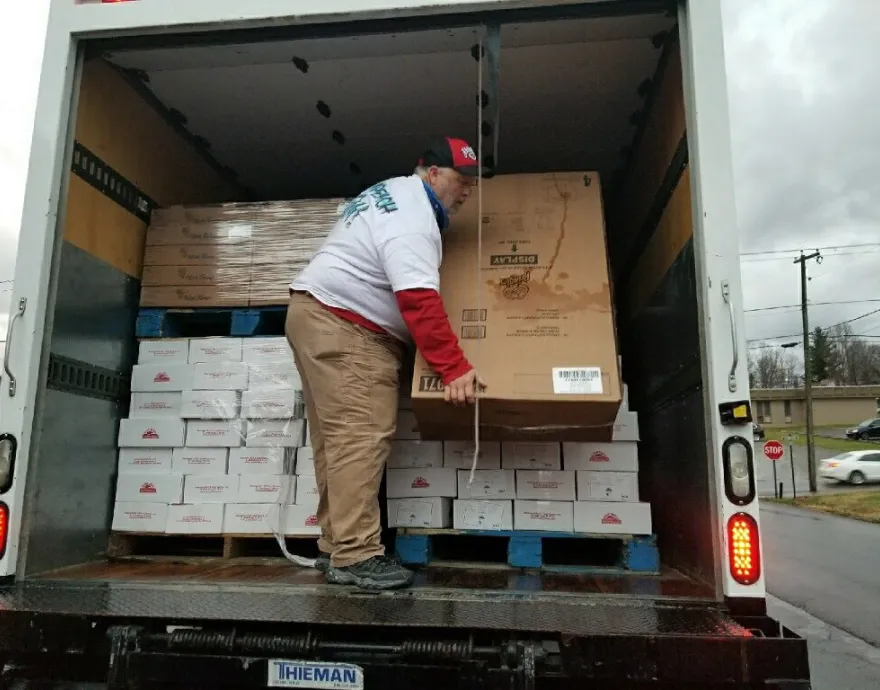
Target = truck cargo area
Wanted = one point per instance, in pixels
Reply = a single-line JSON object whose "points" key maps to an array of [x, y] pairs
{"points": [[323, 113]]}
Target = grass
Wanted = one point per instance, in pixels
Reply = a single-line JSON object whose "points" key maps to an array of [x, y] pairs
{"points": [[860, 505], [835, 444]]}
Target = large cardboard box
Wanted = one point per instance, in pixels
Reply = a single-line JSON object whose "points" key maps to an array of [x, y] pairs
{"points": [[533, 313]]}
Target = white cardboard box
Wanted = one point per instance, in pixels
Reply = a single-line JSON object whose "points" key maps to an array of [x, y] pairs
{"points": [[137, 516], [543, 516], [272, 403], [545, 485], [608, 486], [517, 455], [210, 404], [422, 482], [214, 350], [266, 350], [307, 491], [220, 376], [626, 426], [460, 454], [612, 518], [259, 461], [162, 351], [286, 433], [488, 484], [147, 432], [167, 377], [154, 405], [601, 457], [202, 518], [213, 433], [407, 427], [149, 488], [278, 376], [210, 488], [296, 521], [305, 461], [420, 512], [483, 515], [410, 454], [248, 518], [199, 460], [266, 488], [144, 461]]}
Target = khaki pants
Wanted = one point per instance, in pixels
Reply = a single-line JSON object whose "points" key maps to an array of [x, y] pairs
{"points": [[350, 382]]}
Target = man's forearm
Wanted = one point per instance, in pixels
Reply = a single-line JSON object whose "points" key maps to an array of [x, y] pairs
{"points": [[427, 321]]}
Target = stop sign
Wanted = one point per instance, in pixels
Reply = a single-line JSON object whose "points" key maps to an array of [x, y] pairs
{"points": [[774, 450]]}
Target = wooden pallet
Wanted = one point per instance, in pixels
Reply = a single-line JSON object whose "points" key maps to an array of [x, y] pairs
{"points": [[148, 545], [627, 553], [205, 323]]}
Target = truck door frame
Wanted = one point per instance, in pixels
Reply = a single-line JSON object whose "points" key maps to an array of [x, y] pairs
{"points": [[716, 251]]}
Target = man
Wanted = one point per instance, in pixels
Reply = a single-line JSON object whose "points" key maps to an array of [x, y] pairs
{"points": [[373, 286]]}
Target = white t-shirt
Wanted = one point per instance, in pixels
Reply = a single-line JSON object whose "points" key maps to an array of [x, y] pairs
{"points": [[386, 240]]}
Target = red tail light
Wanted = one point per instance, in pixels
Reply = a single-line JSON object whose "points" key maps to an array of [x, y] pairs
{"points": [[743, 549], [4, 527]]}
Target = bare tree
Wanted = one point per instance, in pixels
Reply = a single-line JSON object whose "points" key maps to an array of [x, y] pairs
{"points": [[854, 361], [772, 367]]}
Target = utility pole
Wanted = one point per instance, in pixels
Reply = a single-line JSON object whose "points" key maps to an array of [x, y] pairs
{"points": [[808, 382]]}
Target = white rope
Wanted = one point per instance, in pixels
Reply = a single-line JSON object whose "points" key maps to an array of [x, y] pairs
{"points": [[284, 500], [477, 358]]}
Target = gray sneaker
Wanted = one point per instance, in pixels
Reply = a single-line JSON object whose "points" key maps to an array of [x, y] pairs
{"points": [[378, 572], [322, 562]]}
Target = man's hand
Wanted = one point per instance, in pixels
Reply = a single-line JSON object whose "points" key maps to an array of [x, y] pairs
{"points": [[463, 389]]}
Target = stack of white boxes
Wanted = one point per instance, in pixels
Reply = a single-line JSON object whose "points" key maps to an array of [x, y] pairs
{"points": [[535, 486], [420, 489], [212, 439]]}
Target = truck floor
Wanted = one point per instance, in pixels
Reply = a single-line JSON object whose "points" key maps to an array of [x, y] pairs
{"points": [[450, 597], [274, 572]]}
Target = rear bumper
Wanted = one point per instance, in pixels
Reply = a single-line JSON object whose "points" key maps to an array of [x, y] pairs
{"points": [[121, 634]]}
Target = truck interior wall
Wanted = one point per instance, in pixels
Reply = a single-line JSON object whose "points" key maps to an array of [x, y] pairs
{"points": [[652, 258], [101, 250]]}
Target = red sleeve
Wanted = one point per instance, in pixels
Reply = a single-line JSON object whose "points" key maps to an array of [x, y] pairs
{"points": [[425, 317]]}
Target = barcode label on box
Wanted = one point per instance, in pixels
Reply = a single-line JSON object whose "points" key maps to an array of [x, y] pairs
{"points": [[473, 332], [473, 315], [577, 381]]}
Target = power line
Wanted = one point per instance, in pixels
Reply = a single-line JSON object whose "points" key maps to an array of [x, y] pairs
{"points": [[770, 346], [821, 249], [799, 335], [759, 259], [813, 304]]}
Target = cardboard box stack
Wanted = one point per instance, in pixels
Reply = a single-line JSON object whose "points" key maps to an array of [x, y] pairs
{"points": [[231, 255], [215, 430], [559, 443], [538, 323], [546, 486]]}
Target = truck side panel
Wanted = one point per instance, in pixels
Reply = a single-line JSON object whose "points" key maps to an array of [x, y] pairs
{"points": [[657, 302], [95, 306]]}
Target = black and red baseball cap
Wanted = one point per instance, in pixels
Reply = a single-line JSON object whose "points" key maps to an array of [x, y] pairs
{"points": [[448, 152]]}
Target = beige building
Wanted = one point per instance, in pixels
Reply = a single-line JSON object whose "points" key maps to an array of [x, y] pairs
{"points": [[832, 405]]}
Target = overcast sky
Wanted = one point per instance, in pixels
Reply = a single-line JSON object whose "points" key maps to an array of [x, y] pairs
{"points": [[805, 114]]}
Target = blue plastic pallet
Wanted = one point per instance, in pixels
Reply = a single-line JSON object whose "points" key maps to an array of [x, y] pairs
{"points": [[637, 554], [203, 323]]}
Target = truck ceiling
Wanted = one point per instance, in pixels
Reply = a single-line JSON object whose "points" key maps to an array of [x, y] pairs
{"points": [[324, 116]]}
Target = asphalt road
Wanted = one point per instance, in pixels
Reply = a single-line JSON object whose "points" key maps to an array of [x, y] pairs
{"points": [[826, 565], [838, 660]]}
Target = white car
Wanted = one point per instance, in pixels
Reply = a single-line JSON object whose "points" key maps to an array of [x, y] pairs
{"points": [[855, 467]]}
